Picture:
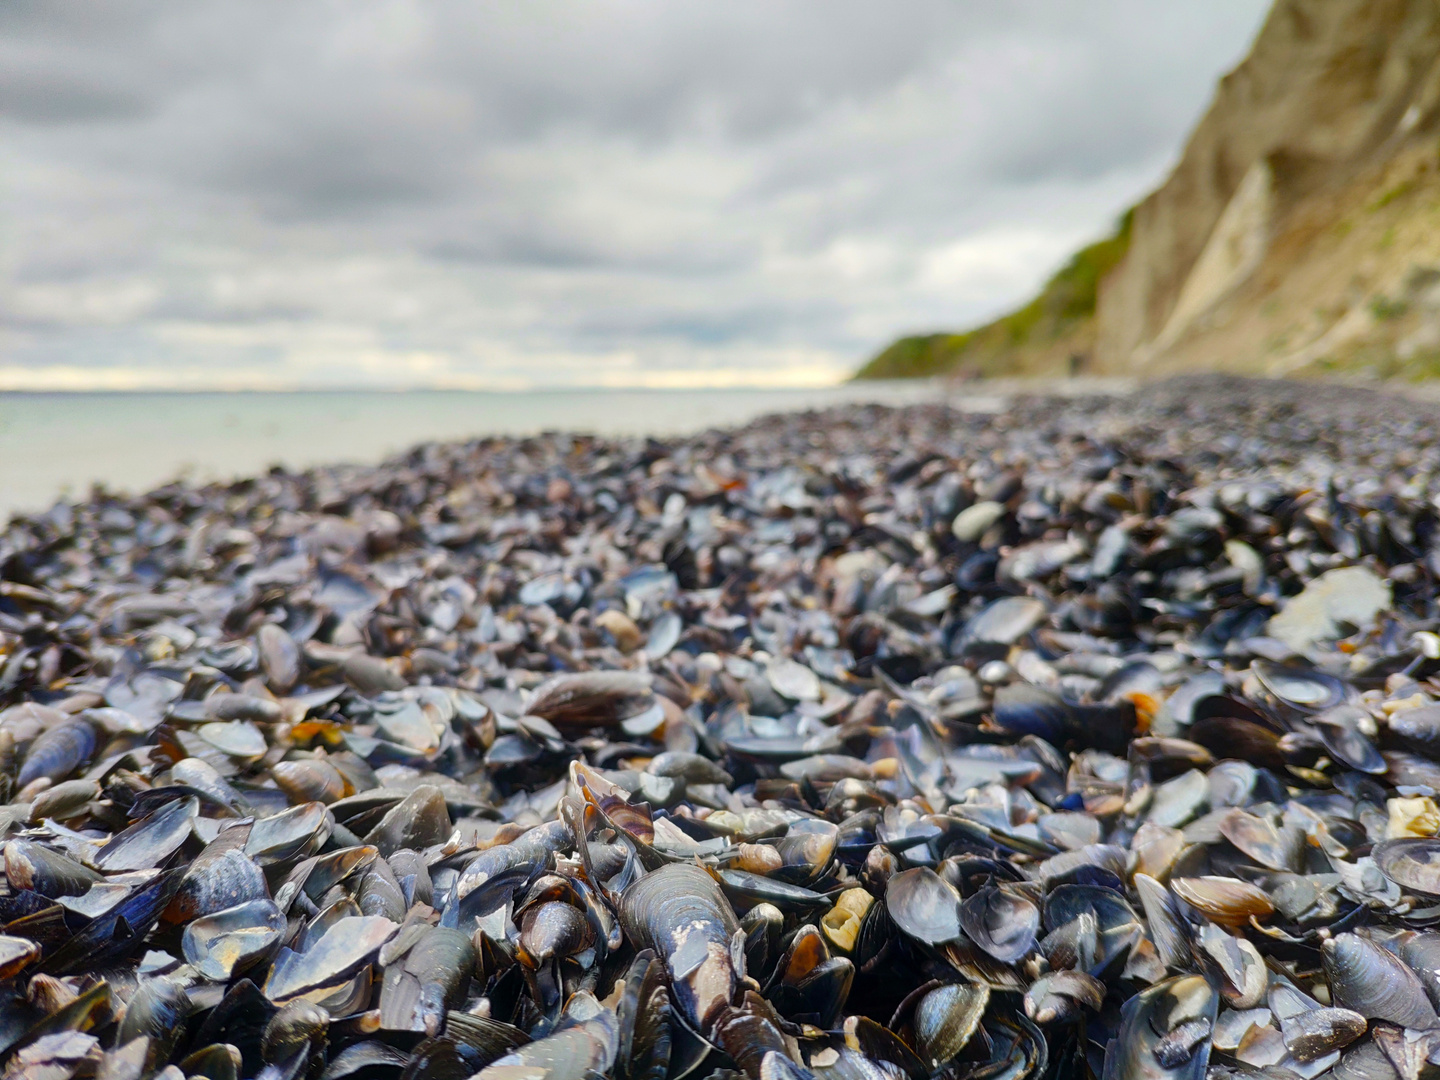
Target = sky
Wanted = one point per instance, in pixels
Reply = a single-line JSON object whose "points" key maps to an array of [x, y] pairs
{"points": [[304, 193]]}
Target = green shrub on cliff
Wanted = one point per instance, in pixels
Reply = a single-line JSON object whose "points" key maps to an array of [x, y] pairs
{"points": [[1067, 300]]}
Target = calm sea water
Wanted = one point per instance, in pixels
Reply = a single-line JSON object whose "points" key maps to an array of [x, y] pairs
{"points": [[54, 445]]}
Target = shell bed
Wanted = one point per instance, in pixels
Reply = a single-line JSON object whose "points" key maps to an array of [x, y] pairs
{"points": [[1092, 738]]}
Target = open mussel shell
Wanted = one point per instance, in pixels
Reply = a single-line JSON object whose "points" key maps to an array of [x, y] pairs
{"points": [[1412, 863], [842, 924], [372, 1059], [290, 835], [328, 965], [1001, 922], [1164, 1032], [1339, 729], [806, 851], [226, 942], [1063, 996], [1257, 837], [151, 842], [924, 906], [1224, 899], [1300, 688], [119, 932], [1236, 964]]}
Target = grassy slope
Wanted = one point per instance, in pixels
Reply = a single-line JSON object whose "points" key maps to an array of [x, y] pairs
{"points": [[1038, 338]]}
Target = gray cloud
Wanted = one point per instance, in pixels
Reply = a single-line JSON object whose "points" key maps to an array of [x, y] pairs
{"points": [[343, 192]]}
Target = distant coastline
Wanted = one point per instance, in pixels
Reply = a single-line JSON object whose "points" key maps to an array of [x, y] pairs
{"points": [[59, 442]]}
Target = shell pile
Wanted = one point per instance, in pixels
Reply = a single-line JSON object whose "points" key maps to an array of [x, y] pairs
{"points": [[1089, 738]]}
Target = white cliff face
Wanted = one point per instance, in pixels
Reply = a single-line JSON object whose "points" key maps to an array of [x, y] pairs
{"points": [[1297, 138], [1233, 253], [1299, 232]]}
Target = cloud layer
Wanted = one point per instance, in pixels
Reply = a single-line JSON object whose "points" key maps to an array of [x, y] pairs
{"points": [[517, 193]]}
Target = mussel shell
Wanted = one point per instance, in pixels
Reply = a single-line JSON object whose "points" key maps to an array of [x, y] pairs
{"points": [[30, 865], [16, 954], [150, 842], [1002, 923], [309, 780], [1364, 1061], [1070, 831], [64, 800], [216, 881], [1421, 953], [1062, 996], [1231, 783], [1235, 961], [552, 929], [1373, 982], [296, 1025], [1109, 909], [290, 835], [1338, 730], [328, 961], [1164, 1032], [806, 851], [1413, 863], [380, 893], [280, 657], [433, 977], [745, 889], [1257, 837], [158, 1010], [58, 751], [373, 1059], [1168, 930], [680, 912], [225, 942], [1004, 621], [946, 1018], [1224, 899], [1418, 729], [119, 932], [1317, 1032], [239, 1019], [591, 699], [924, 906], [418, 821], [583, 1044], [483, 1035], [1239, 737], [1300, 688], [643, 1013]]}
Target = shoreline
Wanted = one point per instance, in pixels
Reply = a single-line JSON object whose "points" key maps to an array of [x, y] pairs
{"points": [[51, 442]]}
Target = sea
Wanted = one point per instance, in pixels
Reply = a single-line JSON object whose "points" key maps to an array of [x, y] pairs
{"points": [[58, 445]]}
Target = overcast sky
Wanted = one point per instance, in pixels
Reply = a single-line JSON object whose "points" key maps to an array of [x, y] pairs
{"points": [[278, 192]]}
